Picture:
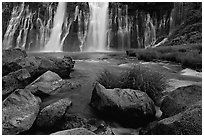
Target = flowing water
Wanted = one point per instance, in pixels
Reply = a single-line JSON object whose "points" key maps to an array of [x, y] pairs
{"points": [[98, 27], [55, 44]]}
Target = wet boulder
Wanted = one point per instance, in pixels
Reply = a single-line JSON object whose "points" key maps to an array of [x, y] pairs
{"points": [[46, 84], [75, 131], [53, 113], [19, 111], [15, 80], [179, 100], [131, 107], [188, 122]]}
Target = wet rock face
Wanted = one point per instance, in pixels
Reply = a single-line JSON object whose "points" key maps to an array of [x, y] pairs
{"points": [[132, 106], [188, 122], [15, 80], [19, 111], [180, 99], [51, 114], [75, 131]]}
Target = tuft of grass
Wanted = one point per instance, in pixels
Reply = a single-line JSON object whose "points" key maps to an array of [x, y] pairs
{"points": [[137, 78]]}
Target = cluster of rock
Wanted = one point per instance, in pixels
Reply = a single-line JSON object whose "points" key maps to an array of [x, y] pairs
{"points": [[28, 80]]}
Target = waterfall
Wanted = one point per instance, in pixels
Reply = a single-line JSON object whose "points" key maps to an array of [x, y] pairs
{"points": [[98, 27], [54, 43]]}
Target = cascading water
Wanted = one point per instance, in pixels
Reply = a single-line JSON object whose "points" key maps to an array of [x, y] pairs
{"points": [[98, 27], [104, 26], [54, 44]]}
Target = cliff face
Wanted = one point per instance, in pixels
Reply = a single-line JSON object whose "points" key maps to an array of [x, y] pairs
{"points": [[130, 25]]}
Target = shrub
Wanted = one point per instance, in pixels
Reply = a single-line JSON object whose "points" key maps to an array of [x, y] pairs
{"points": [[138, 78]]}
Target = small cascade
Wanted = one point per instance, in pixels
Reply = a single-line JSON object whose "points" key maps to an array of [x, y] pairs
{"points": [[83, 20], [54, 44], [98, 27], [150, 32]]}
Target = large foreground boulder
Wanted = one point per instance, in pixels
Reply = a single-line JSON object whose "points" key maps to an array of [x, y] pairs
{"points": [[51, 114], [188, 122], [36, 66], [131, 107], [19, 111], [76, 131], [15, 80], [179, 100]]}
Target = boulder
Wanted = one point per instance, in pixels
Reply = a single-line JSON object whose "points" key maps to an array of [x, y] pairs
{"points": [[15, 80], [46, 84], [19, 111], [75, 131], [29, 63], [12, 54], [131, 107], [52, 113], [60, 66], [179, 100], [188, 122], [36, 66]]}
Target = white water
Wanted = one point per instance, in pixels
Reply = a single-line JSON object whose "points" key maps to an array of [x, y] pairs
{"points": [[98, 27], [54, 43]]}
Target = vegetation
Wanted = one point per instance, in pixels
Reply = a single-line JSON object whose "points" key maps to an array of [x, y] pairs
{"points": [[138, 78], [188, 55]]}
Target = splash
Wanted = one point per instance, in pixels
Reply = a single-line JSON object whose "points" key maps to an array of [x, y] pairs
{"points": [[98, 27], [54, 44]]}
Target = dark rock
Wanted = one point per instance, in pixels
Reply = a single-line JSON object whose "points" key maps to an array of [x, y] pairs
{"points": [[75, 131], [131, 53], [179, 100], [19, 111], [46, 84], [133, 107], [188, 122], [12, 54], [15, 80], [69, 60], [52, 113], [57, 65]]}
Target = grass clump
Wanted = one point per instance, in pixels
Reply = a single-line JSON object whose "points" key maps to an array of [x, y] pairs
{"points": [[137, 78]]}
